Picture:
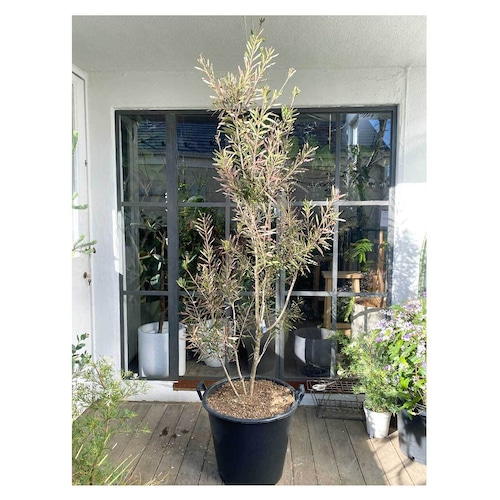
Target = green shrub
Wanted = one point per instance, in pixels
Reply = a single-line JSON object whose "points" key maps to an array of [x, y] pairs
{"points": [[98, 412]]}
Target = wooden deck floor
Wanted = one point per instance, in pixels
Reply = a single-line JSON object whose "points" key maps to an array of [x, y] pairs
{"points": [[321, 451]]}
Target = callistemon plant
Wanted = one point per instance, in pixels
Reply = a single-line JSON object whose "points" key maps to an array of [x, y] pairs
{"points": [[275, 237]]}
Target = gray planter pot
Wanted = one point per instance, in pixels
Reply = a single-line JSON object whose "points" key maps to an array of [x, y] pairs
{"points": [[412, 432], [312, 346]]}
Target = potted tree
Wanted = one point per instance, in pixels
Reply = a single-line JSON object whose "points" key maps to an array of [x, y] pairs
{"points": [[403, 338], [234, 289], [153, 338], [370, 366]]}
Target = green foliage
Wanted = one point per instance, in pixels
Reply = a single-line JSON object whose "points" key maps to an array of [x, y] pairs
{"points": [[391, 360], [358, 251], [81, 246], [402, 339], [74, 141], [345, 308], [372, 368], [422, 270], [98, 393], [98, 413], [79, 357], [276, 239], [152, 249]]}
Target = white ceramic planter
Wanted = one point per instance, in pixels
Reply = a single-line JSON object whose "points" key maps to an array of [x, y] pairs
{"points": [[153, 350], [377, 424]]}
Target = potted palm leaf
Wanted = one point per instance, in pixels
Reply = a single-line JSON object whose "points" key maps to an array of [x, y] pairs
{"points": [[233, 293]]}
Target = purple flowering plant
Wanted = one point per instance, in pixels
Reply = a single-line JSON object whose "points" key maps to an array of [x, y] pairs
{"points": [[371, 367], [402, 339]]}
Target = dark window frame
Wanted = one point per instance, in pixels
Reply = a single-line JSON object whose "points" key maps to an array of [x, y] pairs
{"points": [[172, 159]]}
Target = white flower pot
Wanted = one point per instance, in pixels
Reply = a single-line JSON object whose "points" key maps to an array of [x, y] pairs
{"points": [[377, 424], [153, 350], [212, 361]]}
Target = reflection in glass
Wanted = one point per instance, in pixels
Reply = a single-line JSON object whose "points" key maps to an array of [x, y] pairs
{"points": [[190, 242], [366, 156], [143, 158], [318, 176], [195, 150], [309, 347], [355, 148], [146, 246], [363, 245]]}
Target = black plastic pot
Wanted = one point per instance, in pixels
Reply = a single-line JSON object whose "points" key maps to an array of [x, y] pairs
{"points": [[412, 432], [250, 451]]}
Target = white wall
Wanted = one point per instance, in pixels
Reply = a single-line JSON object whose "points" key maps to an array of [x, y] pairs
{"points": [[411, 188], [108, 91]]}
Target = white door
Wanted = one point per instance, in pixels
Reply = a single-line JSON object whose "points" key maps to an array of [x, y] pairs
{"points": [[82, 277]]}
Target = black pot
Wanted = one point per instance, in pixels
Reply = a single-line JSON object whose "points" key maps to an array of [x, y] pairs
{"points": [[250, 451], [412, 431]]}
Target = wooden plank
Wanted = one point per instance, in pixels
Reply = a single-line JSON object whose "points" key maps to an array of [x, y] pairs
{"points": [[369, 463], [300, 444], [209, 472], [147, 468], [391, 463], [287, 476], [136, 444], [416, 471], [178, 432], [196, 449], [348, 466], [320, 451], [120, 439], [324, 459]]}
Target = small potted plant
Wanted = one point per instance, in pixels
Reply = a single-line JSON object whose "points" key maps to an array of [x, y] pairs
{"points": [[233, 292], [370, 366], [403, 338], [153, 336]]}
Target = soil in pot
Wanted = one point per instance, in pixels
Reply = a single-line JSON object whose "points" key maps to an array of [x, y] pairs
{"points": [[269, 399]]}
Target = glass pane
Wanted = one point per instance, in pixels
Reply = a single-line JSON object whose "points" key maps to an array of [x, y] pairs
{"points": [[146, 245], [362, 247], [142, 310], [313, 280], [190, 242], [143, 158], [195, 148], [317, 129], [366, 156], [308, 345]]}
